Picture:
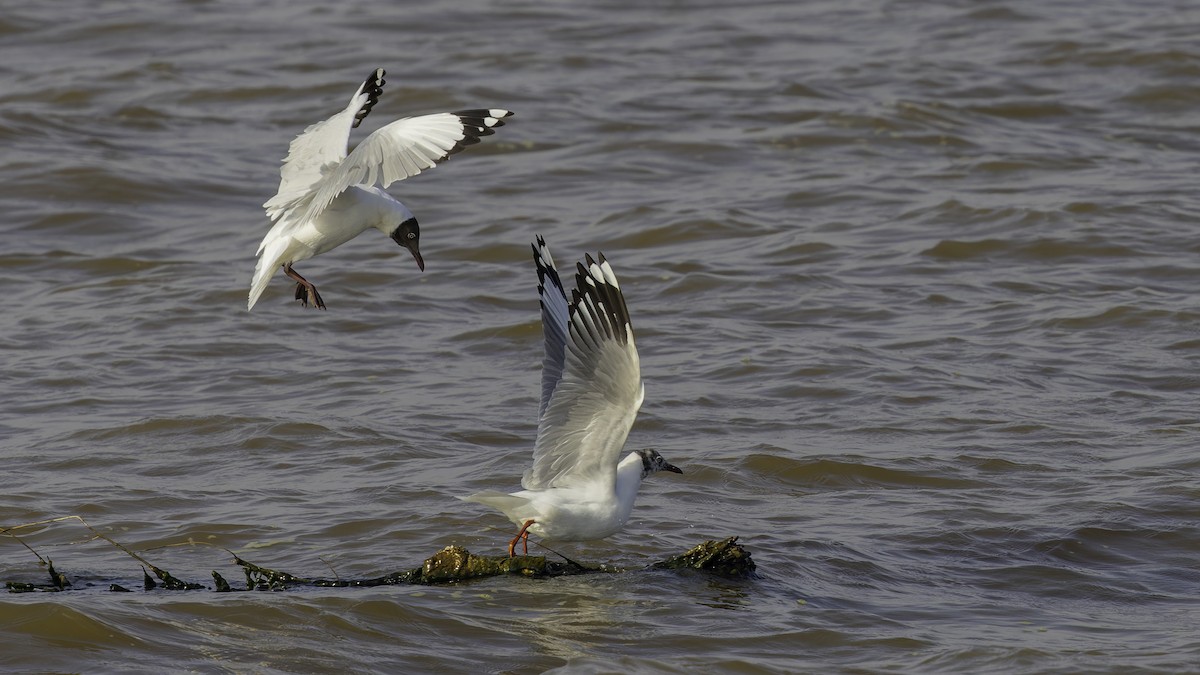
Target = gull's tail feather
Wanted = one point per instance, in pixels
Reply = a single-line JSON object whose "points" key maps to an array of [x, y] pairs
{"points": [[262, 277], [510, 505], [264, 270]]}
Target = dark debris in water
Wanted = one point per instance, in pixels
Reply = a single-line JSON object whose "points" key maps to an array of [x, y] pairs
{"points": [[266, 579], [169, 582], [58, 582], [724, 558]]}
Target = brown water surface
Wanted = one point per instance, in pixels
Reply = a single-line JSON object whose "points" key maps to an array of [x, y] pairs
{"points": [[914, 285]]}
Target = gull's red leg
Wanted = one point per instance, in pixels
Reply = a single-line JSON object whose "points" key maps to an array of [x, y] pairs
{"points": [[523, 537]]}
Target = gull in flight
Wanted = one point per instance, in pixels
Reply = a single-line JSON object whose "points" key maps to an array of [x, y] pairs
{"points": [[579, 487], [328, 197]]}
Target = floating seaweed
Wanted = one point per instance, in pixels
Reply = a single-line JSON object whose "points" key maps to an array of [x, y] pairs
{"points": [[265, 579], [725, 558], [453, 564], [59, 580], [170, 583]]}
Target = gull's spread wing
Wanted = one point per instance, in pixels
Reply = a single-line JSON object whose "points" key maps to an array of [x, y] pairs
{"points": [[397, 151], [555, 316], [588, 409], [320, 146]]}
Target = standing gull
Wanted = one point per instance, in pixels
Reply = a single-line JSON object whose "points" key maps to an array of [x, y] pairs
{"points": [[327, 197], [579, 488]]}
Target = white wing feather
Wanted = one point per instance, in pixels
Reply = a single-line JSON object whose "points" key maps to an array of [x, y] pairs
{"points": [[321, 146], [397, 151], [591, 409]]}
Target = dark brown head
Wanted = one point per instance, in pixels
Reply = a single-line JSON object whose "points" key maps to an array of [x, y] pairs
{"points": [[652, 462], [408, 235]]}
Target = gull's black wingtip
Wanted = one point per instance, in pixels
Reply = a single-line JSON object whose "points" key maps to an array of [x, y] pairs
{"points": [[373, 88]]}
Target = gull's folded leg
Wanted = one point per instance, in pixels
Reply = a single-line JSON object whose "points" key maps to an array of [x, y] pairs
{"points": [[304, 289]]}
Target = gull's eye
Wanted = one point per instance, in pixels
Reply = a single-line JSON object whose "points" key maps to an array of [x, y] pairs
{"points": [[412, 235]]}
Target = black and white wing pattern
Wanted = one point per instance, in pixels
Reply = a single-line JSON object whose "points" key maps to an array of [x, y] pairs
{"points": [[589, 409], [322, 145], [401, 150], [317, 168], [555, 316]]}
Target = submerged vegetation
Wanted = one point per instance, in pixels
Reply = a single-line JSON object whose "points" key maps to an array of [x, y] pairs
{"points": [[725, 558]]}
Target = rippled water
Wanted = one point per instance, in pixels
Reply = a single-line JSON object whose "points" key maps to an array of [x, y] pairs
{"points": [[914, 286]]}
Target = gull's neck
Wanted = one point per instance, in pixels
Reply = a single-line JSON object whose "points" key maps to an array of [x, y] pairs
{"points": [[370, 206], [388, 211], [629, 479]]}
